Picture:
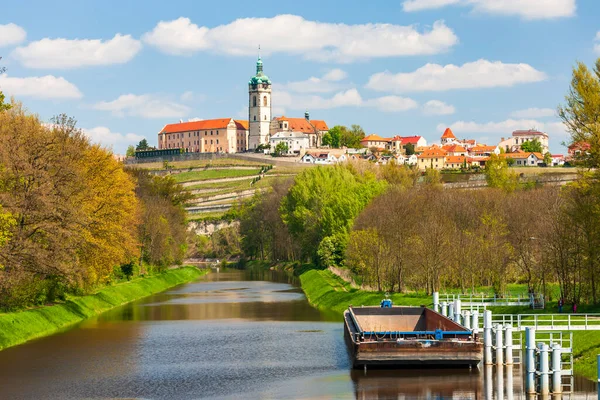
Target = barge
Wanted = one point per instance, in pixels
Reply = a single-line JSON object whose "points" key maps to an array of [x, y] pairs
{"points": [[408, 336]]}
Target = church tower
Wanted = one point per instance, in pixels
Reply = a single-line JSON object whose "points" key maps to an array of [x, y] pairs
{"points": [[259, 107]]}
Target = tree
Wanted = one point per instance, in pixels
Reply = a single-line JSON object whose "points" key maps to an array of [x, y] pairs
{"points": [[351, 138], [130, 151], [548, 159], [498, 174], [409, 148], [333, 137], [581, 113], [281, 148], [3, 106], [532, 146], [142, 145]]}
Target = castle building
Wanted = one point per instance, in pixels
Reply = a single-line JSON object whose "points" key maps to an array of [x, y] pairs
{"points": [[225, 135], [259, 108]]}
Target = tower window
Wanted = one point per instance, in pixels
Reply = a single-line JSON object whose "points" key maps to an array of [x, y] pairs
{"points": [[253, 101], [255, 117], [264, 100], [265, 117]]}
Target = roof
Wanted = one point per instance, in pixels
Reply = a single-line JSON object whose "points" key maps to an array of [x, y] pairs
{"points": [[292, 134], [410, 139], [483, 149], [374, 138], [448, 134], [203, 125], [455, 159], [319, 124], [241, 124], [433, 152], [528, 133], [298, 124], [522, 155], [454, 148], [557, 155]]}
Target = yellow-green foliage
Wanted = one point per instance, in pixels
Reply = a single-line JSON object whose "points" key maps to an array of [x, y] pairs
{"points": [[19, 327]]}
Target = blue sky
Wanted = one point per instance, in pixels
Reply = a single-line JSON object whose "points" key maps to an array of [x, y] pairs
{"points": [[406, 67]]}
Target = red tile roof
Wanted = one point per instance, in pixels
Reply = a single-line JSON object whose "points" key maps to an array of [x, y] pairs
{"points": [[454, 148], [410, 139], [375, 138], [241, 124], [448, 134], [528, 132], [433, 152], [319, 124], [455, 159], [203, 125], [298, 124]]}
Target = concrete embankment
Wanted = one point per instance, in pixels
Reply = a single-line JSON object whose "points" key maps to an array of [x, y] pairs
{"points": [[22, 326]]}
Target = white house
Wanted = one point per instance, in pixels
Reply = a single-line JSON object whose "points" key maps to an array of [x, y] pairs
{"points": [[323, 158], [558, 160], [411, 160], [519, 137], [296, 141]]}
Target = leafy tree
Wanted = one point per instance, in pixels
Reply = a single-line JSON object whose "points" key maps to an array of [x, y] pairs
{"points": [[130, 151], [532, 146], [3, 106], [410, 149], [281, 148], [333, 137], [498, 174], [548, 159], [581, 112], [142, 145]]}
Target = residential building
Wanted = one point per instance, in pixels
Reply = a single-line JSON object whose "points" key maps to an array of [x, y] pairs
{"points": [[314, 129], [448, 137], [376, 141], [206, 136], [433, 157], [519, 137], [297, 142], [558, 160], [523, 159], [482, 150], [455, 150], [455, 162], [397, 144], [576, 150], [323, 157]]}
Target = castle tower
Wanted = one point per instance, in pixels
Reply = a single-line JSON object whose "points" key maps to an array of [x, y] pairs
{"points": [[259, 107]]}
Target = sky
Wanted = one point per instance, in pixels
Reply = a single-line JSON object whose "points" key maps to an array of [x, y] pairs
{"points": [[405, 67]]}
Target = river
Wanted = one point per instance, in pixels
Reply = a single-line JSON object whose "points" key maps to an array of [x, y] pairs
{"points": [[230, 335]]}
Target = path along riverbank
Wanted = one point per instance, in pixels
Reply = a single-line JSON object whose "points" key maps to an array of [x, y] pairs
{"points": [[22, 326], [328, 291]]}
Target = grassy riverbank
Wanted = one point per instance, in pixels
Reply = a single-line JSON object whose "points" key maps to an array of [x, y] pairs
{"points": [[327, 291], [19, 327]]}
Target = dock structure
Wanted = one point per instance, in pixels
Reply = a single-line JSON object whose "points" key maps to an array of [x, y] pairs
{"points": [[400, 336]]}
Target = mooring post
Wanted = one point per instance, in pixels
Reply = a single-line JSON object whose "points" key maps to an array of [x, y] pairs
{"points": [[499, 344], [556, 369], [543, 362], [457, 311], [445, 309], [451, 310], [509, 382], [489, 387], [508, 344], [530, 360], [475, 322], [598, 366], [467, 320], [487, 336], [436, 301], [500, 382]]}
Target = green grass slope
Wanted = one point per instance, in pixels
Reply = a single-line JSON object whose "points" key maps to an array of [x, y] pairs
{"points": [[19, 327]]}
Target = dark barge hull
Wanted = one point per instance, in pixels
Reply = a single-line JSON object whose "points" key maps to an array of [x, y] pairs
{"points": [[402, 336]]}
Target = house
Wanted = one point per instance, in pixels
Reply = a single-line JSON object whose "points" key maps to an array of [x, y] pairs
{"points": [[376, 141], [323, 157], [455, 162], [297, 142], [483, 151], [448, 137], [314, 129], [577, 150], [205, 136], [558, 160], [398, 144], [455, 150], [411, 160], [519, 137], [523, 159], [433, 157]]}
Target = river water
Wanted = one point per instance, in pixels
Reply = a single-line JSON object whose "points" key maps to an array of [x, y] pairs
{"points": [[230, 335]]}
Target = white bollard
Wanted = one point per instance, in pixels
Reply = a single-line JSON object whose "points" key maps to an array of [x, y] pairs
{"points": [[530, 360], [544, 373], [451, 311], [509, 382], [499, 344], [508, 344], [467, 319], [489, 387], [475, 322], [556, 369], [445, 309], [487, 337], [457, 311], [500, 382], [436, 301]]}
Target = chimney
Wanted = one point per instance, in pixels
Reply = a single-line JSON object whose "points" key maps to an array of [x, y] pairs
{"points": [[307, 116], [502, 139]]}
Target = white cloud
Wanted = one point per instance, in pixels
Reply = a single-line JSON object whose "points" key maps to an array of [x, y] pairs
{"points": [[11, 34], [294, 35], [505, 127], [597, 43], [526, 9], [534, 113], [187, 96], [146, 106], [437, 107], [40, 87], [326, 84], [346, 98], [435, 77], [114, 140], [67, 53]]}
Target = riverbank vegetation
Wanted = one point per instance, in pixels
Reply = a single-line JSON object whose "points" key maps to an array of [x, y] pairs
{"points": [[19, 327], [72, 219]]}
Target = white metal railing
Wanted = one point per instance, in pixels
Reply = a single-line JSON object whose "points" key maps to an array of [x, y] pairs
{"points": [[483, 300], [550, 322]]}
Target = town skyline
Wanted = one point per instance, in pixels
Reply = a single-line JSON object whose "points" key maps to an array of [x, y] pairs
{"points": [[403, 68]]}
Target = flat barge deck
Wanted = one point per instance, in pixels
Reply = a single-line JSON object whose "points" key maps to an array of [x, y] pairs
{"points": [[403, 336]]}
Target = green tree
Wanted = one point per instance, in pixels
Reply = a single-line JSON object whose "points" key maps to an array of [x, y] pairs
{"points": [[142, 145], [281, 148], [333, 137], [581, 113], [130, 151], [548, 159], [532, 146], [410, 149], [498, 174], [3, 106]]}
